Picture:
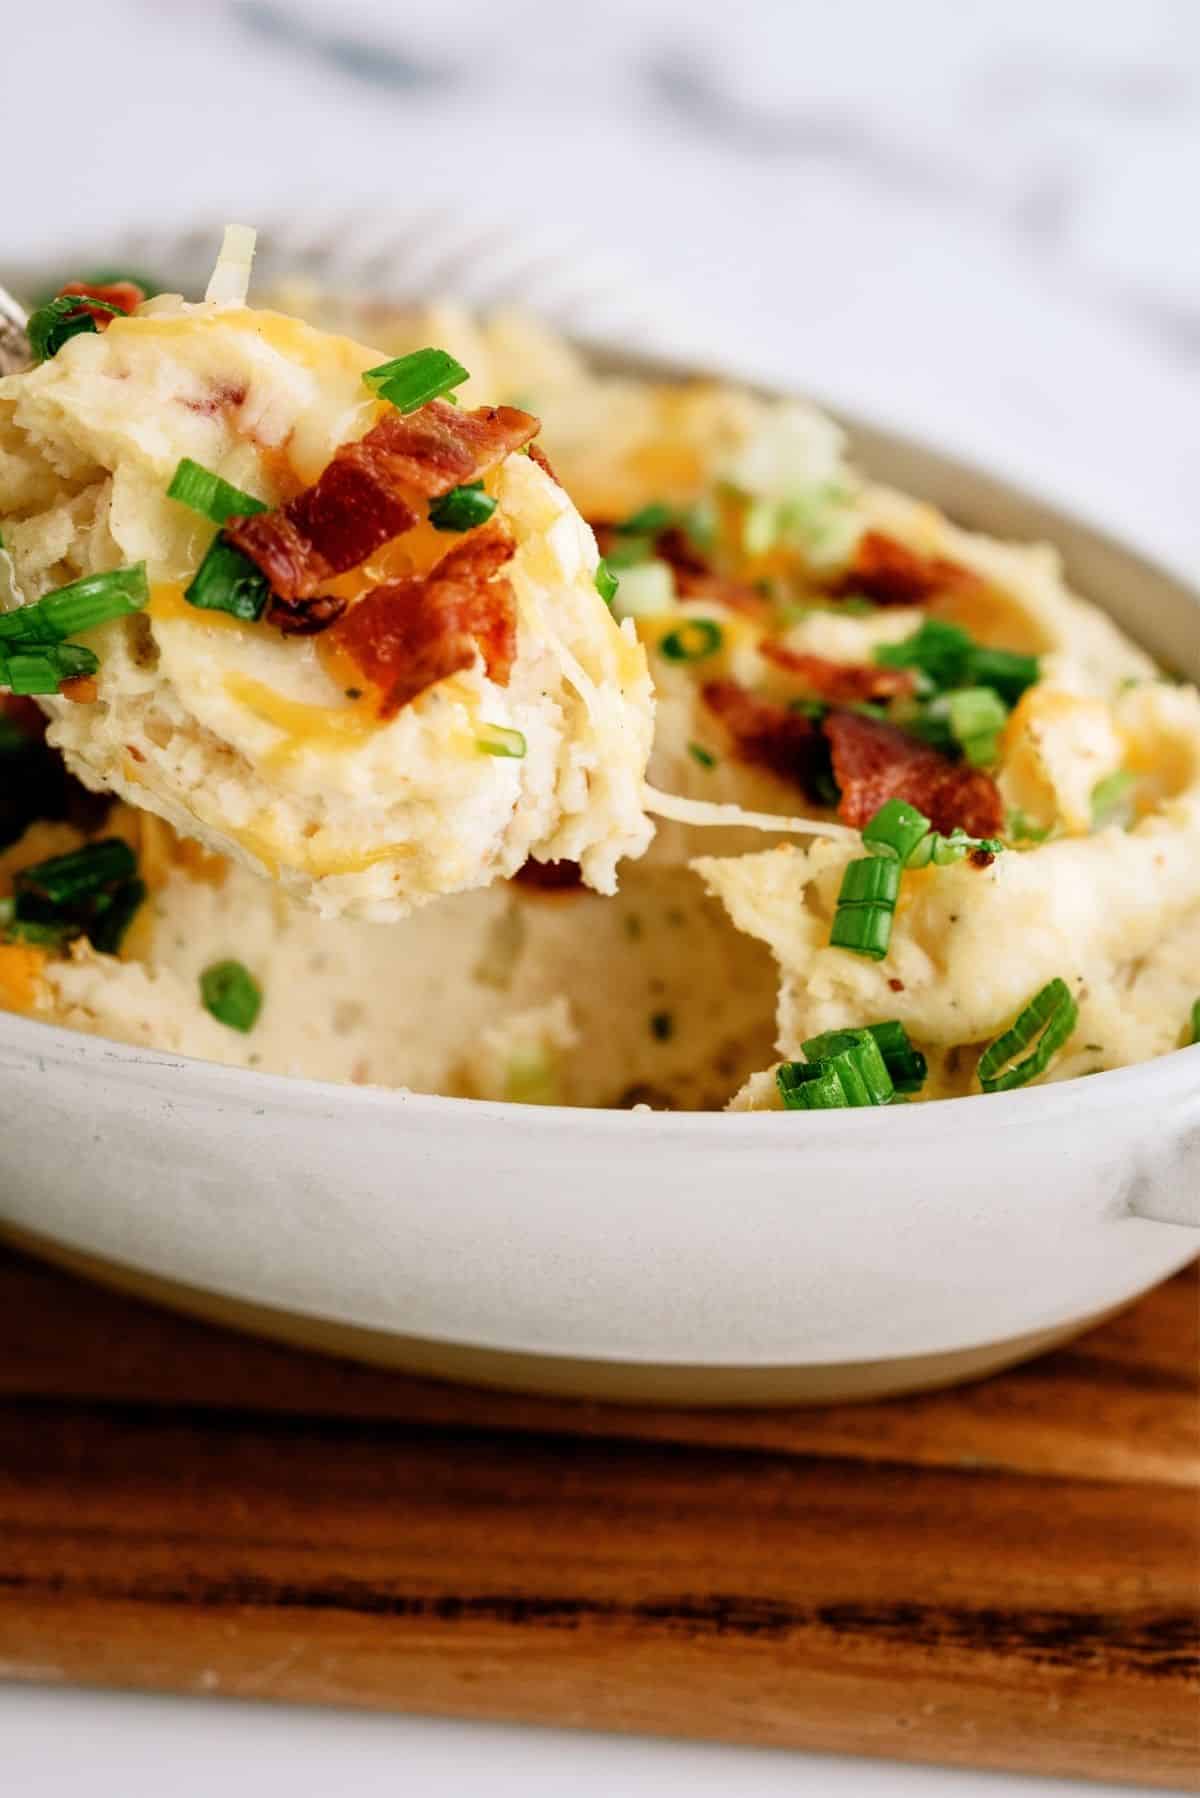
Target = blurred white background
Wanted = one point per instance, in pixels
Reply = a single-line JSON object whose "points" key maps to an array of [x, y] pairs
{"points": [[977, 221]]}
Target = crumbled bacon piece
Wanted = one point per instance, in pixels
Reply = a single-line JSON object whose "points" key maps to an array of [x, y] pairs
{"points": [[891, 574], [842, 683], [359, 503], [739, 596], [81, 689], [125, 295], [550, 877], [537, 454], [675, 546], [874, 762], [305, 617], [767, 733], [408, 634]]}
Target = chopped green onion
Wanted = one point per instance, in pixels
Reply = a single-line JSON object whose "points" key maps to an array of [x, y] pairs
{"points": [[1109, 798], [233, 996], [810, 1086], [228, 581], [43, 667], [1195, 1036], [948, 657], [693, 641], [852, 1074], [606, 582], [412, 381], [1009, 672], [1047, 1021], [896, 830], [646, 591], [648, 521], [82, 873], [942, 851], [1023, 830], [115, 916], [977, 717], [865, 1054], [462, 508], [700, 754], [937, 650], [632, 552], [208, 494], [60, 318], [906, 1065], [760, 527], [498, 739], [81, 606], [865, 907]]}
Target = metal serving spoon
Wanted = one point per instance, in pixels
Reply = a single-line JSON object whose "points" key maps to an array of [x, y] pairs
{"points": [[15, 353]]}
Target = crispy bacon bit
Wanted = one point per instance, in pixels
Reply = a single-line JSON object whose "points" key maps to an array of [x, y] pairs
{"points": [[842, 683], [550, 877], [874, 762], [440, 446], [81, 689], [26, 714], [891, 574], [767, 733], [739, 596], [675, 546], [537, 454], [408, 634], [305, 617], [359, 503], [123, 294]]}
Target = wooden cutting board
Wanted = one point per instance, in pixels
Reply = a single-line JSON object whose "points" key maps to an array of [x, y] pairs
{"points": [[1003, 1576]]}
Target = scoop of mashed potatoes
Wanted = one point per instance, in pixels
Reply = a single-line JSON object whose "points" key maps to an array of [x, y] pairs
{"points": [[262, 745]]}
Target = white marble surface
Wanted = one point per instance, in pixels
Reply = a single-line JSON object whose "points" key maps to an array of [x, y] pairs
{"points": [[975, 221]]}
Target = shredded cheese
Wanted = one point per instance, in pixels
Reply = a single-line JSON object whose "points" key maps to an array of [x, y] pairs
{"points": [[230, 281], [709, 812]]}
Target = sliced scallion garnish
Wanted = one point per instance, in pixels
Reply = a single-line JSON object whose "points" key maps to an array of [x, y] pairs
{"points": [[606, 582], [81, 606], [977, 717], [648, 521], [43, 667], [60, 318], [64, 880], [906, 1065], [1109, 798], [499, 739], [895, 830], [230, 992], [949, 657], [228, 581], [408, 382], [115, 915], [1195, 1021], [866, 906], [865, 1053], [462, 508], [692, 641], [205, 492], [1046, 1022], [700, 754]]}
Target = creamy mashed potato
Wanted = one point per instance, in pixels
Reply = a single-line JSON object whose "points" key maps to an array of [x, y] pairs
{"points": [[783, 605], [255, 742]]}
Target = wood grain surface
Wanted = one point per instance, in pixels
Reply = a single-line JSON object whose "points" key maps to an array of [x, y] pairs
{"points": [[1007, 1575]]}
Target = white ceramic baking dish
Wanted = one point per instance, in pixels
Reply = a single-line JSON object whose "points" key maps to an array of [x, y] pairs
{"points": [[703, 1259]]}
